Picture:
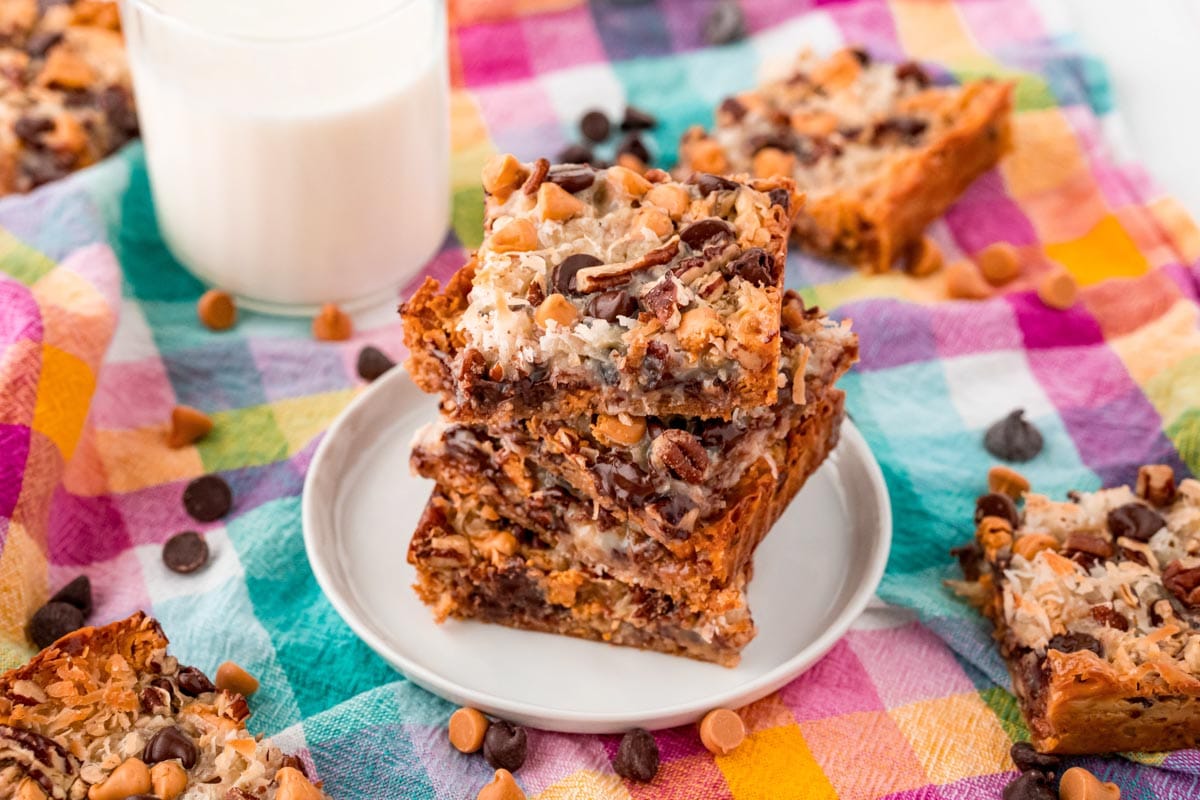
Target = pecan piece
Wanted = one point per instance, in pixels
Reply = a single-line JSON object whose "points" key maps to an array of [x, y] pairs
{"points": [[1182, 578], [1156, 484], [43, 760], [541, 168], [662, 300], [680, 453], [1110, 617], [609, 276]]}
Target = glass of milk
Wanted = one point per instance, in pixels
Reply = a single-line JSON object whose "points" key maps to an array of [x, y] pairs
{"points": [[298, 150]]}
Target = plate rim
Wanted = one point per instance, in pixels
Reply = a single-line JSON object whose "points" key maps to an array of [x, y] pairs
{"points": [[554, 719]]}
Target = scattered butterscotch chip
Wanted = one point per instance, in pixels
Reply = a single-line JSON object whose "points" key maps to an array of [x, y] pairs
{"points": [[216, 310], [1079, 784], [999, 263], [1006, 480], [1058, 289], [722, 731], [503, 787], [232, 678], [188, 426], [963, 282], [926, 258], [467, 728], [332, 324]]}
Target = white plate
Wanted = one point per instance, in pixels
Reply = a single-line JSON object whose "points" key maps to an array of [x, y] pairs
{"points": [[813, 575]]}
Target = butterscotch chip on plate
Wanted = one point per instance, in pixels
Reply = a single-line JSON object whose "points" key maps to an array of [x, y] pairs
{"points": [[878, 149], [1098, 618]]}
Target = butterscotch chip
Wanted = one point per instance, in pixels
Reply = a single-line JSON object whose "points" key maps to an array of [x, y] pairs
{"points": [[293, 785], [188, 426], [722, 731], [467, 728], [999, 263], [1031, 544], [1006, 480], [963, 282], [232, 678], [926, 259], [518, 235], [1058, 289], [632, 162], [626, 430], [1079, 784], [216, 310], [557, 308], [332, 324], [503, 787]]}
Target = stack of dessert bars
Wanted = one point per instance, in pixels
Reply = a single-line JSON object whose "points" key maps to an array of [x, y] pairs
{"points": [[629, 400]]}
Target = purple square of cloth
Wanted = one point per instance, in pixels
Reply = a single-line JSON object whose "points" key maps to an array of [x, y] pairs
{"points": [[891, 333], [14, 450], [1044, 327]]}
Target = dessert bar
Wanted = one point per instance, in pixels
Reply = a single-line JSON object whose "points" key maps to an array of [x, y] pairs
{"points": [[605, 291], [1096, 606], [879, 151], [106, 713]]}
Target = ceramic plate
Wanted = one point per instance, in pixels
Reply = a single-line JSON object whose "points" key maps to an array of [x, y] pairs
{"points": [[813, 575]]}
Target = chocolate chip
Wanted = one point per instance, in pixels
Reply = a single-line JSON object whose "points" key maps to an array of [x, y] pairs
{"points": [[193, 682], [780, 140], [78, 593], [907, 129], [168, 743], [29, 129], [1135, 521], [572, 177], [185, 552], [637, 120], [118, 107], [612, 304], [373, 363], [40, 43], [1029, 760], [155, 700], [573, 154], [622, 480], [733, 107], [53, 621], [725, 23], [654, 367], [969, 556], [1013, 438], [1075, 642], [1110, 617], [594, 125], [1029, 786], [564, 273], [637, 756], [207, 498], [912, 71], [681, 454], [861, 56], [504, 745], [43, 166], [781, 198], [709, 183], [995, 504], [702, 231], [633, 145], [757, 267], [662, 300]]}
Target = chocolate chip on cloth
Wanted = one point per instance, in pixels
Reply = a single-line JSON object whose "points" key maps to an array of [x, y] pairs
{"points": [[185, 552], [504, 745], [78, 593], [373, 363], [636, 119], [594, 125], [207, 498], [53, 621], [637, 756], [1028, 759], [725, 23], [1030, 786], [1013, 438]]}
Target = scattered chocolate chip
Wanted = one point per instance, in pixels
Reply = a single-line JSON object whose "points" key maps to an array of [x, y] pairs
{"points": [[78, 593], [572, 177], [995, 504], [373, 363], [725, 23], [912, 71], [594, 125], [1074, 642], [637, 120], [1135, 521], [697, 234], [1110, 617], [1183, 582], [29, 129], [564, 273], [573, 154], [185, 552], [637, 756], [756, 266], [1028, 759], [612, 304], [733, 107], [193, 682], [1029, 786], [40, 43], [681, 454], [781, 198], [1013, 438], [504, 745], [622, 480], [53, 621], [662, 300], [634, 146], [207, 498], [709, 183], [168, 743]]}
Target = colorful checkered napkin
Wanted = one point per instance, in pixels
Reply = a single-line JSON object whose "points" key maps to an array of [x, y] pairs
{"points": [[94, 355]]}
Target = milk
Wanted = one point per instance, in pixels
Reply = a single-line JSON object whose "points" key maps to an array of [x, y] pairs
{"points": [[297, 149]]}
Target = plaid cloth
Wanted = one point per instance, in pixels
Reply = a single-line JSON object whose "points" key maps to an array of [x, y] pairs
{"points": [[94, 355]]}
